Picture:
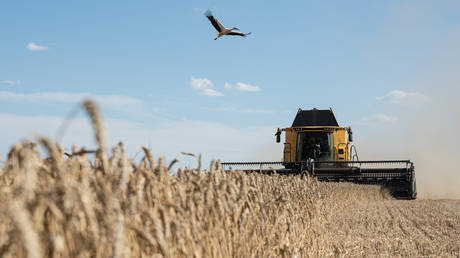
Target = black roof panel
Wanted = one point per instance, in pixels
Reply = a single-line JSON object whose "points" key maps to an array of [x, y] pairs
{"points": [[315, 117]]}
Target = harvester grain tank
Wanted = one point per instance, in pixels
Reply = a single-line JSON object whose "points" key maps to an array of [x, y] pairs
{"points": [[315, 144]]}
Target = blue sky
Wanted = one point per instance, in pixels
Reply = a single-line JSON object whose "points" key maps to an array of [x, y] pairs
{"points": [[155, 69]]}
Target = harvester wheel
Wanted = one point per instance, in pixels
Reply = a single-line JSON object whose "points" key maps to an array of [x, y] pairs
{"points": [[303, 174], [413, 189]]}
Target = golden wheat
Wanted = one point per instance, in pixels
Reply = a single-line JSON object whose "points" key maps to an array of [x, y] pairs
{"points": [[111, 206]]}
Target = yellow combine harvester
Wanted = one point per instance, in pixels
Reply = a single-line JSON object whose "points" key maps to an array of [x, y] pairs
{"points": [[317, 145]]}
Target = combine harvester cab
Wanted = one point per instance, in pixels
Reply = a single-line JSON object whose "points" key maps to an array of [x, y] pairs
{"points": [[317, 145]]}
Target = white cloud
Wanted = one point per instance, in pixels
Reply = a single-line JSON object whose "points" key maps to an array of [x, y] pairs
{"points": [[168, 138], [200, 83], [211, 93], [11, 82], [204, 86], [117, 102], [380, 118], [34, 47], [401, 97], [239, 86]]}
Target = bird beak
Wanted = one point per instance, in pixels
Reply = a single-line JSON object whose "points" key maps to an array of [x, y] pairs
{"points": [[236, 28]]}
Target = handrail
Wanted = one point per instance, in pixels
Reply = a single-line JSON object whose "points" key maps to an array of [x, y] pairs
{"points": [[351, 153]]}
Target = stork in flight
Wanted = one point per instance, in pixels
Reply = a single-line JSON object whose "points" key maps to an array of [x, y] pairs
{"points": [[221, 29]]}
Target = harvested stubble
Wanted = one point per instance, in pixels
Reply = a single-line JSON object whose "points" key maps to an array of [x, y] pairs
{"points": [[113, 207]]}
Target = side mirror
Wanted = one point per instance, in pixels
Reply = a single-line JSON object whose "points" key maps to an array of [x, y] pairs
{"points": [[278, 135], [350, 134]]}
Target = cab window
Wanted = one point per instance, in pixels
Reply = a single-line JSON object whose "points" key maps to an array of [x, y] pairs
{"points": [[313, 145]]}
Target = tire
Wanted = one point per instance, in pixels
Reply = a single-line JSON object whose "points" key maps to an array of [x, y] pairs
{"points": [[413, 188]]}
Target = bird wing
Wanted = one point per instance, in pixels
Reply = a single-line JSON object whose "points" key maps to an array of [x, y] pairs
{"points": [[236, 33], [219, 27]]}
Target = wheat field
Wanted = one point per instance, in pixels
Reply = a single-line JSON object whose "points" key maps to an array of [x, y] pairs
{"points": [[58, 204]]}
